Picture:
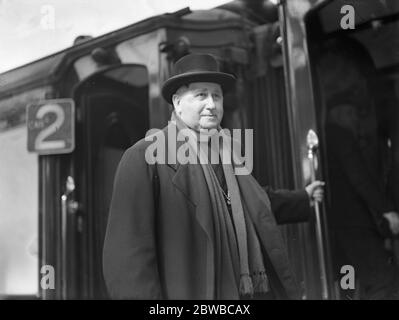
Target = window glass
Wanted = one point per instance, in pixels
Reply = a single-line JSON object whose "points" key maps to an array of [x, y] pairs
{"points": [[18, 214], [18, 199]]}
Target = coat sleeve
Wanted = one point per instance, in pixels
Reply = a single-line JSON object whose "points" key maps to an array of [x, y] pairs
{"points": [[289, 206], [129, 255]]}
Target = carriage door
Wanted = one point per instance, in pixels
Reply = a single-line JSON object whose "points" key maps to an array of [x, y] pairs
{"points": [[305, 148], [112, 115]]}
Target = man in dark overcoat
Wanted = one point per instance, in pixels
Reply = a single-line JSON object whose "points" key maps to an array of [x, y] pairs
{"points": [[181, 230]]}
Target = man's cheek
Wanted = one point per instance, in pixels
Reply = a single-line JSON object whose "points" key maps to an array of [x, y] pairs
{"points": [[220, 115]]}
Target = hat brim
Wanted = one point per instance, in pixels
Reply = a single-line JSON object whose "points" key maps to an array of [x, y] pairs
{"points": [[170, 86]]}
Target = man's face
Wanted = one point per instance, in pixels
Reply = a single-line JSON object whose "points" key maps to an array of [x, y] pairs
{"points": [[200, 105]]}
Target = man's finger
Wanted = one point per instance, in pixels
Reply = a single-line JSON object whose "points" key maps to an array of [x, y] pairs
{"points": [[318, 193], [394, 226], [315, 187], [317, 184], [318, 196], [397, 228]]}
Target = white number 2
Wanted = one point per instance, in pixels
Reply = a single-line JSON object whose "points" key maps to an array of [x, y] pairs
{"points": [[40, 144]]}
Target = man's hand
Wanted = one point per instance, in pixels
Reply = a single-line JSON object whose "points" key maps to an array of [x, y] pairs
{"points": [[315, 191], [393, 219]]}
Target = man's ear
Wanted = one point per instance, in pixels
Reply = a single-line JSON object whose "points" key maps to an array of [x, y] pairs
{"points": [[176, 103]]}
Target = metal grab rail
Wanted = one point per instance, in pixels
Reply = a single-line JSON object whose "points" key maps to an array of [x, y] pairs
{"points": [[313, 143], [68, 207]]}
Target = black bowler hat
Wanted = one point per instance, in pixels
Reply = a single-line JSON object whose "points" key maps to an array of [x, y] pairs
{"points": [[196, 67]]}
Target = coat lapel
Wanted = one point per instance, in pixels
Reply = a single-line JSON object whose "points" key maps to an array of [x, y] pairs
{"points": [[183, 176], [189, 179]]}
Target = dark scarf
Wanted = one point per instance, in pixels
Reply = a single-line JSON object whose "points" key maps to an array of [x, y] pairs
{"points": [[237, 246]]}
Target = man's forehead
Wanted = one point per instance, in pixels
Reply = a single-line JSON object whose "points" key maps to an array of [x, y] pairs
{"points": [[205, 85]]}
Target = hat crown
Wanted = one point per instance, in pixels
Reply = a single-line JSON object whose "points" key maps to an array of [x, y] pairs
{"points": [[196, 63], [196, 67]]}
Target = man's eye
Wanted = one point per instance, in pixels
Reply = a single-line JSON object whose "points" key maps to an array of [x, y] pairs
{"points": [[201, 94]]}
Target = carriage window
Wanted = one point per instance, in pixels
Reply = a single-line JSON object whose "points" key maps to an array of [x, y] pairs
{"points": [[18, 205]]}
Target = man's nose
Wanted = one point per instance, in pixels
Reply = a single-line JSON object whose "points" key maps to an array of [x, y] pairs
{"points": [[210, 104]]}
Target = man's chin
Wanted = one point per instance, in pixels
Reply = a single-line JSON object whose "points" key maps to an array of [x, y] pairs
{"points": [[210, 125]]}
